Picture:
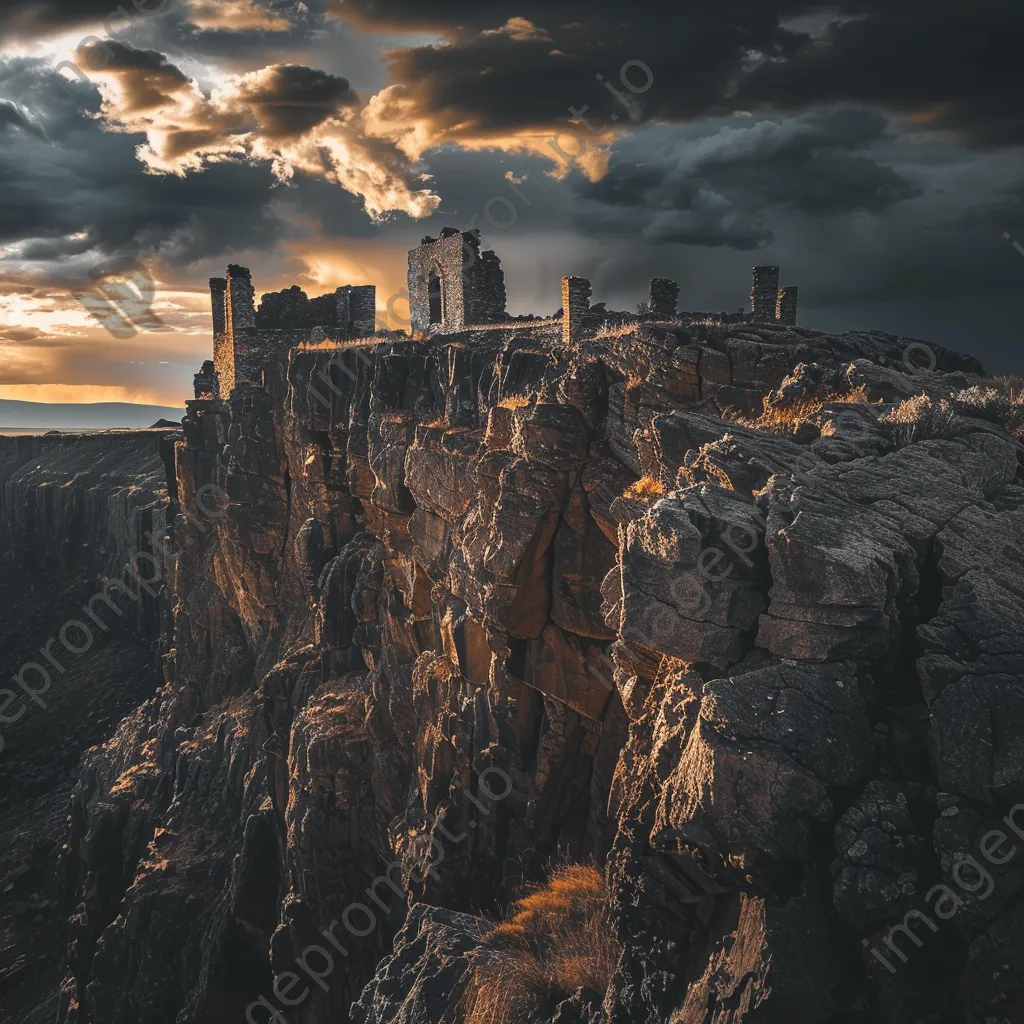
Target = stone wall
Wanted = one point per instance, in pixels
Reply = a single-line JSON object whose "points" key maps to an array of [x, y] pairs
{"points": [[664, 296], [764, 293], [472, 284], [348, 311], [240, 328], [786, 306], [247, 341], [223, 355], [575, 307]]}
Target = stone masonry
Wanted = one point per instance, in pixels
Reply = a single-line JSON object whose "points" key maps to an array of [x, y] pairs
{"points": [[786, 306], [224, 360], [246, 339], [764, 293], [454, 288], [664, 296], [453, 285], [575, 307]]}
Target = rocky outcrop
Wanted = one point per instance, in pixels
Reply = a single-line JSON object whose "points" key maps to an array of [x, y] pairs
{"points": [[76, 655], [485, 601]]}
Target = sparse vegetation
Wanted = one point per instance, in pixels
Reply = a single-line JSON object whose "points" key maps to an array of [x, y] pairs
{"points": [[556, 940], [785, 418], [515, 402], [616, 330], [645, 487], [1002, 403], [922, 418]]}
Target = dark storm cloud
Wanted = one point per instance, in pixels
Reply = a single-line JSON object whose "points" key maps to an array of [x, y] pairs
{"points": [[34, 18], [952, 64], [148, 79], [955, 65], [713, 189], [70, 202], [505, 77], [12, 116], [37, 17], [290, 99]]}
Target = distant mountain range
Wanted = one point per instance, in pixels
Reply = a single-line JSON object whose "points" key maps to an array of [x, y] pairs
{"points": [[90, 416]]}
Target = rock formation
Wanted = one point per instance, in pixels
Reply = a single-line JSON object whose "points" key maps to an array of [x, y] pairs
{"points": [[720, 607]]}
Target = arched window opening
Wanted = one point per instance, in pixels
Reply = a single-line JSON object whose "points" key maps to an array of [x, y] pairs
{"points": [[434, 294]]}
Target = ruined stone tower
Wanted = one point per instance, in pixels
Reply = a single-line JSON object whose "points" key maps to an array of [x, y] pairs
{"points": [[786, 305], [223, 359], [664, 296], [452, 285], [576, 292], [764, 293], [247, 339]]}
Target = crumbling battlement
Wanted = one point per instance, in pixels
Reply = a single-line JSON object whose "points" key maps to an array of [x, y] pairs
{"points": [[452, 284], [454, 289], [768, 301], [247, 339], [348, 311]]}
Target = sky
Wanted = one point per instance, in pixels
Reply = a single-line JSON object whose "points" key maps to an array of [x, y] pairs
{"points": [[874, 149]]}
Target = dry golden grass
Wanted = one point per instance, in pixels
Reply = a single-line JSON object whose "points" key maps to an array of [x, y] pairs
{"points": [[999, 400], [1012, 387], [645, 487], [785, 418], [329, 345], [556, 940], [922, 418], [515, 402]]}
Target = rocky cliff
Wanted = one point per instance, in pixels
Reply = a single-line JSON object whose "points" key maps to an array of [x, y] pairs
{"points": [[484, 607], [74, 510]]}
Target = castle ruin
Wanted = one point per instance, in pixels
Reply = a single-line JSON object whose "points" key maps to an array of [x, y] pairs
{"points": [[452, 284], [245, 338], [768, 301], [454, 288]]}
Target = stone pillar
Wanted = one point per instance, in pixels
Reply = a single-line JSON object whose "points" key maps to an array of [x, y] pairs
{"points": [[205, 381], [241, 304], [241, 324], [575, 306], [223, 351], [764, 293], [218, 287], [362, 318], [785, 306], [343, 308], [664, 296]]}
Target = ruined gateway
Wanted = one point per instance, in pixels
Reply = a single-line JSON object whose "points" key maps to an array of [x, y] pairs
{"points": [[510, 594]]}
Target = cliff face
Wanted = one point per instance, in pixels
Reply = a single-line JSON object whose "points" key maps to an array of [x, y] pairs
{"points": [[481, 604], [74, 509]]}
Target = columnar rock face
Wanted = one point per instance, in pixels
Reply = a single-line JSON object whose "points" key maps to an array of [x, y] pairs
{"points": [[768, 679], [76, 655], [764, 293]]}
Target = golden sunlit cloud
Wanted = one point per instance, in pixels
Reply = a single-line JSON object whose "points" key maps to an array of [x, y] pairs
{"points": [[78, 393], [235, 16], [296, 118], [396, 114]]}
